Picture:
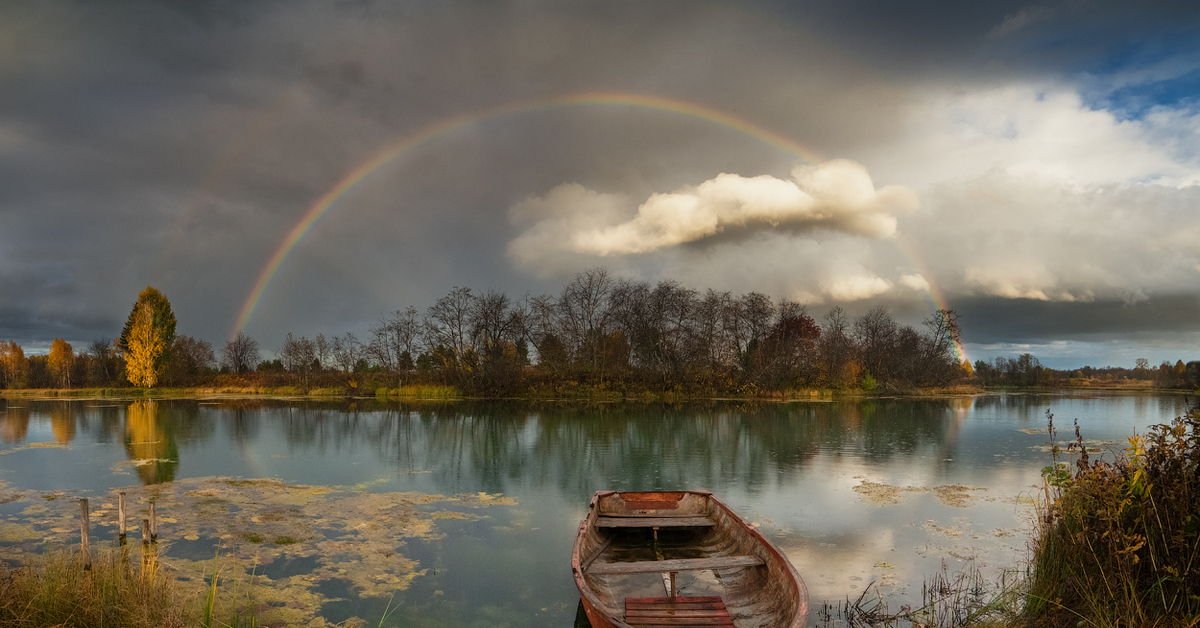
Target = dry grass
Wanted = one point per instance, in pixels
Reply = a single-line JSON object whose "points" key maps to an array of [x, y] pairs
{"points": [[59, 592], [1119, 542]]}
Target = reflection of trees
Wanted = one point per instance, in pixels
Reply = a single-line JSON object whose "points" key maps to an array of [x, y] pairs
{"points": [[62, 421], [14, 422], [149, 436], [579, 447]]}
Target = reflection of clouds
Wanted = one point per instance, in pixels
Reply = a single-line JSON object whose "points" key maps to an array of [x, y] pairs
{"points": [[791, 467]]}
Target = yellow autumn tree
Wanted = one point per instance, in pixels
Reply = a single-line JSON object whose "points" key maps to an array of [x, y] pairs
{"points": [[162, 321], [62, 362], [143, 348], [14, 368]]}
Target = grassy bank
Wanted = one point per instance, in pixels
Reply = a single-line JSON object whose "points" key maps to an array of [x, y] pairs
{"points": [[59, 592], [429, 391], [1119, 543]]}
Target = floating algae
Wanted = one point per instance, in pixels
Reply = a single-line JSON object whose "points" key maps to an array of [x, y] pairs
{"points": [[39, 445], [261, 527], [953, 495], [956, 495], [878, 493]]}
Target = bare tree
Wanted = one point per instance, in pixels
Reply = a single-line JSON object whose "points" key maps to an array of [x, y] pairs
{"points": [[836, 349], [298, 356], [240, 354], [100, 355], [711, 341], [321, 345], [875, 335], [447, 326], [190, 357], [584, 312], [394, 341], [346, 352]]}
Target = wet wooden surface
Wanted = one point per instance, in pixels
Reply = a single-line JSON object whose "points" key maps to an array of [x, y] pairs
{"points": [[674, 564], [677, 611], [654, 522]]}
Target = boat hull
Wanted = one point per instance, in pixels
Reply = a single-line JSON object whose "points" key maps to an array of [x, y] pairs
{"points": [[695, 536]]}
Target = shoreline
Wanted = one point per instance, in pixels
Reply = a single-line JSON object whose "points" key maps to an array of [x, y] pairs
{"points": [[447, 393]]}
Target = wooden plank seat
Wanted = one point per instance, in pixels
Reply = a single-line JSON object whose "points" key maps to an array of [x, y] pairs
{"points": [[654, 522], [678, 612], [674, 564]]}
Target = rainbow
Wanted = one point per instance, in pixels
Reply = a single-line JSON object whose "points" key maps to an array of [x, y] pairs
{"points": [[435, 130], [441, 127], [936, 298]]}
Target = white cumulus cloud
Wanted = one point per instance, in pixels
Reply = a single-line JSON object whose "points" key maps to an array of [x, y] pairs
{"points": [[837, 196]]}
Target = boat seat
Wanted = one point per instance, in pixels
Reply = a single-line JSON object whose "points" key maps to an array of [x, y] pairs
{"points": [[705, 611], [674, 564], [654, 522]]}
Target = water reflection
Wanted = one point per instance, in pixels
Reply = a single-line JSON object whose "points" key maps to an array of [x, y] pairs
{"points": [[793, 467], [150, 441], [14, 422]]}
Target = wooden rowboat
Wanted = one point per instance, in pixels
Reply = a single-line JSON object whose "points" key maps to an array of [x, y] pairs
{"points": [[681, 558]]}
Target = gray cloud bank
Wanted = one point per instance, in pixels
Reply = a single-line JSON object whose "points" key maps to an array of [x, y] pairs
{"points": [[1038, 158]]}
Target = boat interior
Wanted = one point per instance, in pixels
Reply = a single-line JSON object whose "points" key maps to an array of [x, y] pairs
{"points": [[681, 559]]}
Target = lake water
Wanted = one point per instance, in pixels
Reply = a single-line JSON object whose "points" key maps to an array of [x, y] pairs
{"points": [[463, 514]]}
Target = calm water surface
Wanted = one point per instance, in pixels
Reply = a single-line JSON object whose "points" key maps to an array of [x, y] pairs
{"points": [[855, 492]]}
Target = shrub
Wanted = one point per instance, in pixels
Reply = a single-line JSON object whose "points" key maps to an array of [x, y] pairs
{"points": [[1119, 541]]}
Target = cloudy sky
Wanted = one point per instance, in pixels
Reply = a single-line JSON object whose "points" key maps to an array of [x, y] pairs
{"points": [[1035, 166]]}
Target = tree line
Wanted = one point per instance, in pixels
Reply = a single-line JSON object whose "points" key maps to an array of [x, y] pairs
{"points": [[598, 331], [1026, 371]]}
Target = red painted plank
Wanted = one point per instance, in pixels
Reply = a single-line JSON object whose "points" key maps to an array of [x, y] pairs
{"points": [[678, 621]]}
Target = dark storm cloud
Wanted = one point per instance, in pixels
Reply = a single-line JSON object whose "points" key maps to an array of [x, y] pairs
{"points": [[1015, 321], [176, 144]]}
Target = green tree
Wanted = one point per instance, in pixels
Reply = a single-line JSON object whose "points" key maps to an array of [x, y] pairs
{"points": [[144, 347], [162, 322]]}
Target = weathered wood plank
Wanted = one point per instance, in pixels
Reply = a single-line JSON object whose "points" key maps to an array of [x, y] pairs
{"points": [[654, 522], [631, 606], [671, 612], [681, 621], [681, 599], [674, 564], [666, 611]]}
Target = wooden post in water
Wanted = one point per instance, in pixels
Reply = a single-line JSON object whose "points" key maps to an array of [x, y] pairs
{"points": [[85, 534], [146, 548], [153, 524], [121, 518]]}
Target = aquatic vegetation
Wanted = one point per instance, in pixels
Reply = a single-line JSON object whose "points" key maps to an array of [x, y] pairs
{"points": [[341, 534], [953, 495], [958, 599]]}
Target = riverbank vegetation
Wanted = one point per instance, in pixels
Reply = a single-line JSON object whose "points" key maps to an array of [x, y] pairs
{"points": [[1119, 542], [601, 337], [58, 591]]}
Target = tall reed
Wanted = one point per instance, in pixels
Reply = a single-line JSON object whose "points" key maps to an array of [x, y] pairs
{"points": [[57, 591], [1118, 542]]}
